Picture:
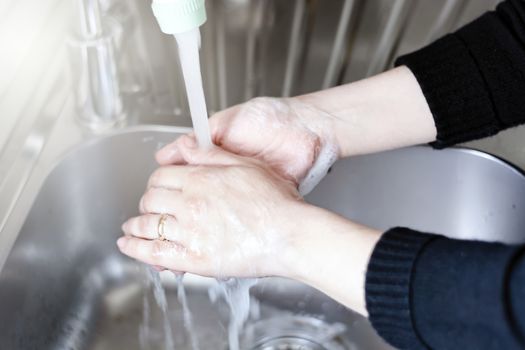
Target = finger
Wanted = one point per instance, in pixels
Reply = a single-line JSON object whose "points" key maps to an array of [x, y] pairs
{"points": [[171, 177], [194, 155], [166, 254], [161, 201], [170, 155], [158, 268], [221, 122], [147, 227]]}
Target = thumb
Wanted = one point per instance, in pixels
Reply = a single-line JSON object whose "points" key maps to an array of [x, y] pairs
{"points": [[169, 155], [194, 155], [221, 124]]}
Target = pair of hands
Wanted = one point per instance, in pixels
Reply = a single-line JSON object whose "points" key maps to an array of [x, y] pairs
{"points": [[236, 210], [232, 210]]}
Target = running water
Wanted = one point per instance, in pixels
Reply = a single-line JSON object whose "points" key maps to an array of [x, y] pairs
{"points": [[160, 297], [189, 44], [186, 313], [236, 293], [145, 327]]}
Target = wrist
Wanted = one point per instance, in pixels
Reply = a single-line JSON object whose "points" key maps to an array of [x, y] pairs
{"points": [[382, 112], [331, 253], [320, 119]]}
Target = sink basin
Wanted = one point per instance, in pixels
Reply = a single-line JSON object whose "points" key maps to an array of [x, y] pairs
{"points": [[64, 284]]}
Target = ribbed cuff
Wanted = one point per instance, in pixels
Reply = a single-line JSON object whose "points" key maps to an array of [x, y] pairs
{"points": [[388, 286], [454, 89]]}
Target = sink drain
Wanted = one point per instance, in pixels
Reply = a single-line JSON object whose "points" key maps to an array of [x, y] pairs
{"points": [[289, 343], [292, 332]]}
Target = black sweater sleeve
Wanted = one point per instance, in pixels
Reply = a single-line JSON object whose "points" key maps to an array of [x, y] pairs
{"points": [[474, 79], [474, 303], [427, 291]]}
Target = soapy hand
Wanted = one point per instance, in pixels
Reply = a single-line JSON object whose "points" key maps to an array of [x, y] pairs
{"points": [[227, 216], [295, 139]]}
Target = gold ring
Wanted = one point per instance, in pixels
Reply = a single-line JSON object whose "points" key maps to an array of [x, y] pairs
{"points": [[160, 227]]}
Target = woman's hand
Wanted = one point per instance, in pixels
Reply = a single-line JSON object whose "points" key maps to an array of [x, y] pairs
{"points": [[300, 137], [227, 216], [231, 216], [296, 139]]}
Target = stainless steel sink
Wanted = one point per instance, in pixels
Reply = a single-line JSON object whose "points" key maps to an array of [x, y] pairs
{"points": [[66, 286]]}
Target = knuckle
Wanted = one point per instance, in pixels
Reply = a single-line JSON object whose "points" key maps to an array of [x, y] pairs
{"points": [[262, 101], [196, 205], [148, 200], [180, 142], [199, 175], [157, 248], [155, 177], [265, 106]]}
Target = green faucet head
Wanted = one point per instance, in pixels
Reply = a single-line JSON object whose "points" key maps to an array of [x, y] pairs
{"points": [[179, 16]]}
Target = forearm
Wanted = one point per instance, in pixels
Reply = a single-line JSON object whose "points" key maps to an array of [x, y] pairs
{"points": [[465, 86], [331, 253], [383, 112]]}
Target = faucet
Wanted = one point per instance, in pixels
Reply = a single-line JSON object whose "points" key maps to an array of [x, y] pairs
{"points": [[182, 19], [179, 16], [92, 49], [90, 22]]}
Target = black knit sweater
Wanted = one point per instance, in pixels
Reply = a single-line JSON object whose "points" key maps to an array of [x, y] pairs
{"points": [[427, 291]]}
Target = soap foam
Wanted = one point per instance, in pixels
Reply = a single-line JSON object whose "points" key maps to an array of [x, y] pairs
{"points": [[292, 136], [325, 159], [321, 124]]}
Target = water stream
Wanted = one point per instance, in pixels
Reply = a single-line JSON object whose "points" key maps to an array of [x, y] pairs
{"points": [[153, 281], [189, 44], [235, 292], [186, 313]]}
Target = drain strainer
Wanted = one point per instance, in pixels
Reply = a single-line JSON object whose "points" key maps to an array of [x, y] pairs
{"points": [[291, 332], [289, 343]]}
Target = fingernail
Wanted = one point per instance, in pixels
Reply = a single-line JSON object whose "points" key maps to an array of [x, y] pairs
{"points": [[121, 242], [125, 227], [190, 142]]}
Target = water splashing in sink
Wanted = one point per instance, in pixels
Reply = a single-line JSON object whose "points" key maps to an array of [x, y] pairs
{"points": [[188, 319], [153, 279], [236, 293]]}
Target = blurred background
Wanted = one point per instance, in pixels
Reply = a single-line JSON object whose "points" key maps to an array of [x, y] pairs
{"points": [[69, 64]]}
